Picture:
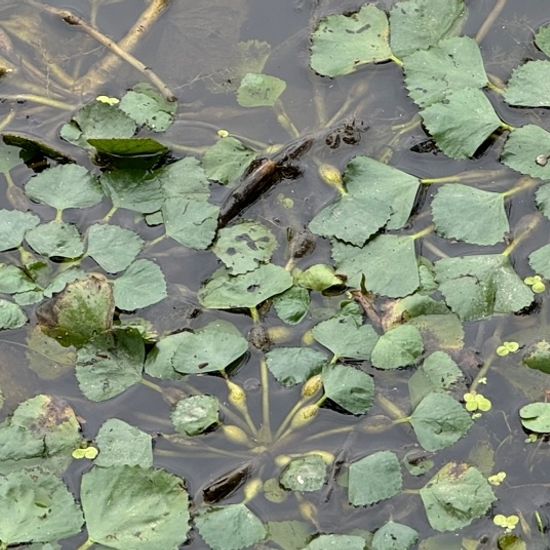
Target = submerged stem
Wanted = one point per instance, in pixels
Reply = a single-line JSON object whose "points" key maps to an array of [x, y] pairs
{"points": [[264, 377], [523, 185], [427, 231], [284, 119], [396, 60], [42, 100], [88, 544], [491, 18], [521, 237]]}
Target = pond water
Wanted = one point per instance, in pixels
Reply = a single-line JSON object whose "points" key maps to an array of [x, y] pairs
{"points": [[201, 52]]}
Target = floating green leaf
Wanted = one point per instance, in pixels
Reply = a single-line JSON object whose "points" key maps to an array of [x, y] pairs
{"points": [[129, 147], [243, 246], [10, 157], [471, 215], [146, 106], [133, 508], [452, 64], [289, 535], [13, 226], [420, 24], [352, 219], [542, 39], [292, 305], [259, 90], [83, 310], [439, 421], [333, 542], [318, 277], [291, 366], [527, 150], [192, 223], [374, 478], [388, 263], [121, 444], [134, 189], [36, 507], [141, 285], [196, 414], [535, 417], [159, 360], [346, 338], [349, 387], [112, 247], [537, 356], [227, 160], [14, 280], [224, 291], [305, 474], [210, 349], [65, 186], [184, 178], [462, 122], [480, 286], [341, 44], [456, 496], [372, 179], [539, 260], [230, 527], [56, 239], [399, 347], [110, 364], [11, 315], [394, 536], [529, 85], [543, 199]]}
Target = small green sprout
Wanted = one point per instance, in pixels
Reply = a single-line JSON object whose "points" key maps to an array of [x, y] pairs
{"points": [[536, 283], [88, 452], [222, 133], [108, 100], [506, 522], [532, 438], [477, 402], [497, 479], [482, 380], [506, 348]]}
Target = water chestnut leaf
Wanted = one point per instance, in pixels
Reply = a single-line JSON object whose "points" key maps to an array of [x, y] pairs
{"points": [[527, 151], [227, 160], [468, 214], [40, 434], [345, 337], [196, 414], [110, 364], [129, 147], [461, 122], [535, 417], [399, 347], [11, 315], [121, 444], [291, 366], [56, 239], [134, 189], [65, 186], [388, 263], [192, 223], [289, 535], [83, 310], [475, 287], [159, 360], [455, 496], [184, 178], [318, 277], [353, 219], [539, 260], [529, 85], [62, 279], [305, 474], [141, 285], [243, 246], [453, 64], [440, 331], [542, 39], [374, 478], [10, 157], [14, 280], [134, 508], [537, 356], [37, 507], [348, 387], [333, 542], [147, 107], [248, 290], [112, 247], [419, 24], [292, 306], [230, 527], [394, 536], [259, 90], [13, 226], [341, 44], [439, 421], [543, 199], [209, 349]]}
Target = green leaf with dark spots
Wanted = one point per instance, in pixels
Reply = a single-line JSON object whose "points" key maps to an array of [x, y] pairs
{"points": [[259, 90], [11, 315], [56, 239], [227, 160], [305, 474], [292, 306], [394, 536]]}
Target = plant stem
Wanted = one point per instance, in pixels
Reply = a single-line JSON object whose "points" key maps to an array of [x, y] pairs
{"points": [[264, 377], [521, 237], [255, 315], [427, 231], [109, 215], [88, 544], [42, 100], [156, 241], [327, 433], [507, 127], [72, 19], [151, 385], [284, 120], [7, 120], [497, 89], [288, 418], [390, 407], [523, 185], [59, 216], [491, 18], [396, 60], [482, 372]]}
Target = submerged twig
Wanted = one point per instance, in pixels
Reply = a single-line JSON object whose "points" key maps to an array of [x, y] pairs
{"points": [[491, 18]]}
